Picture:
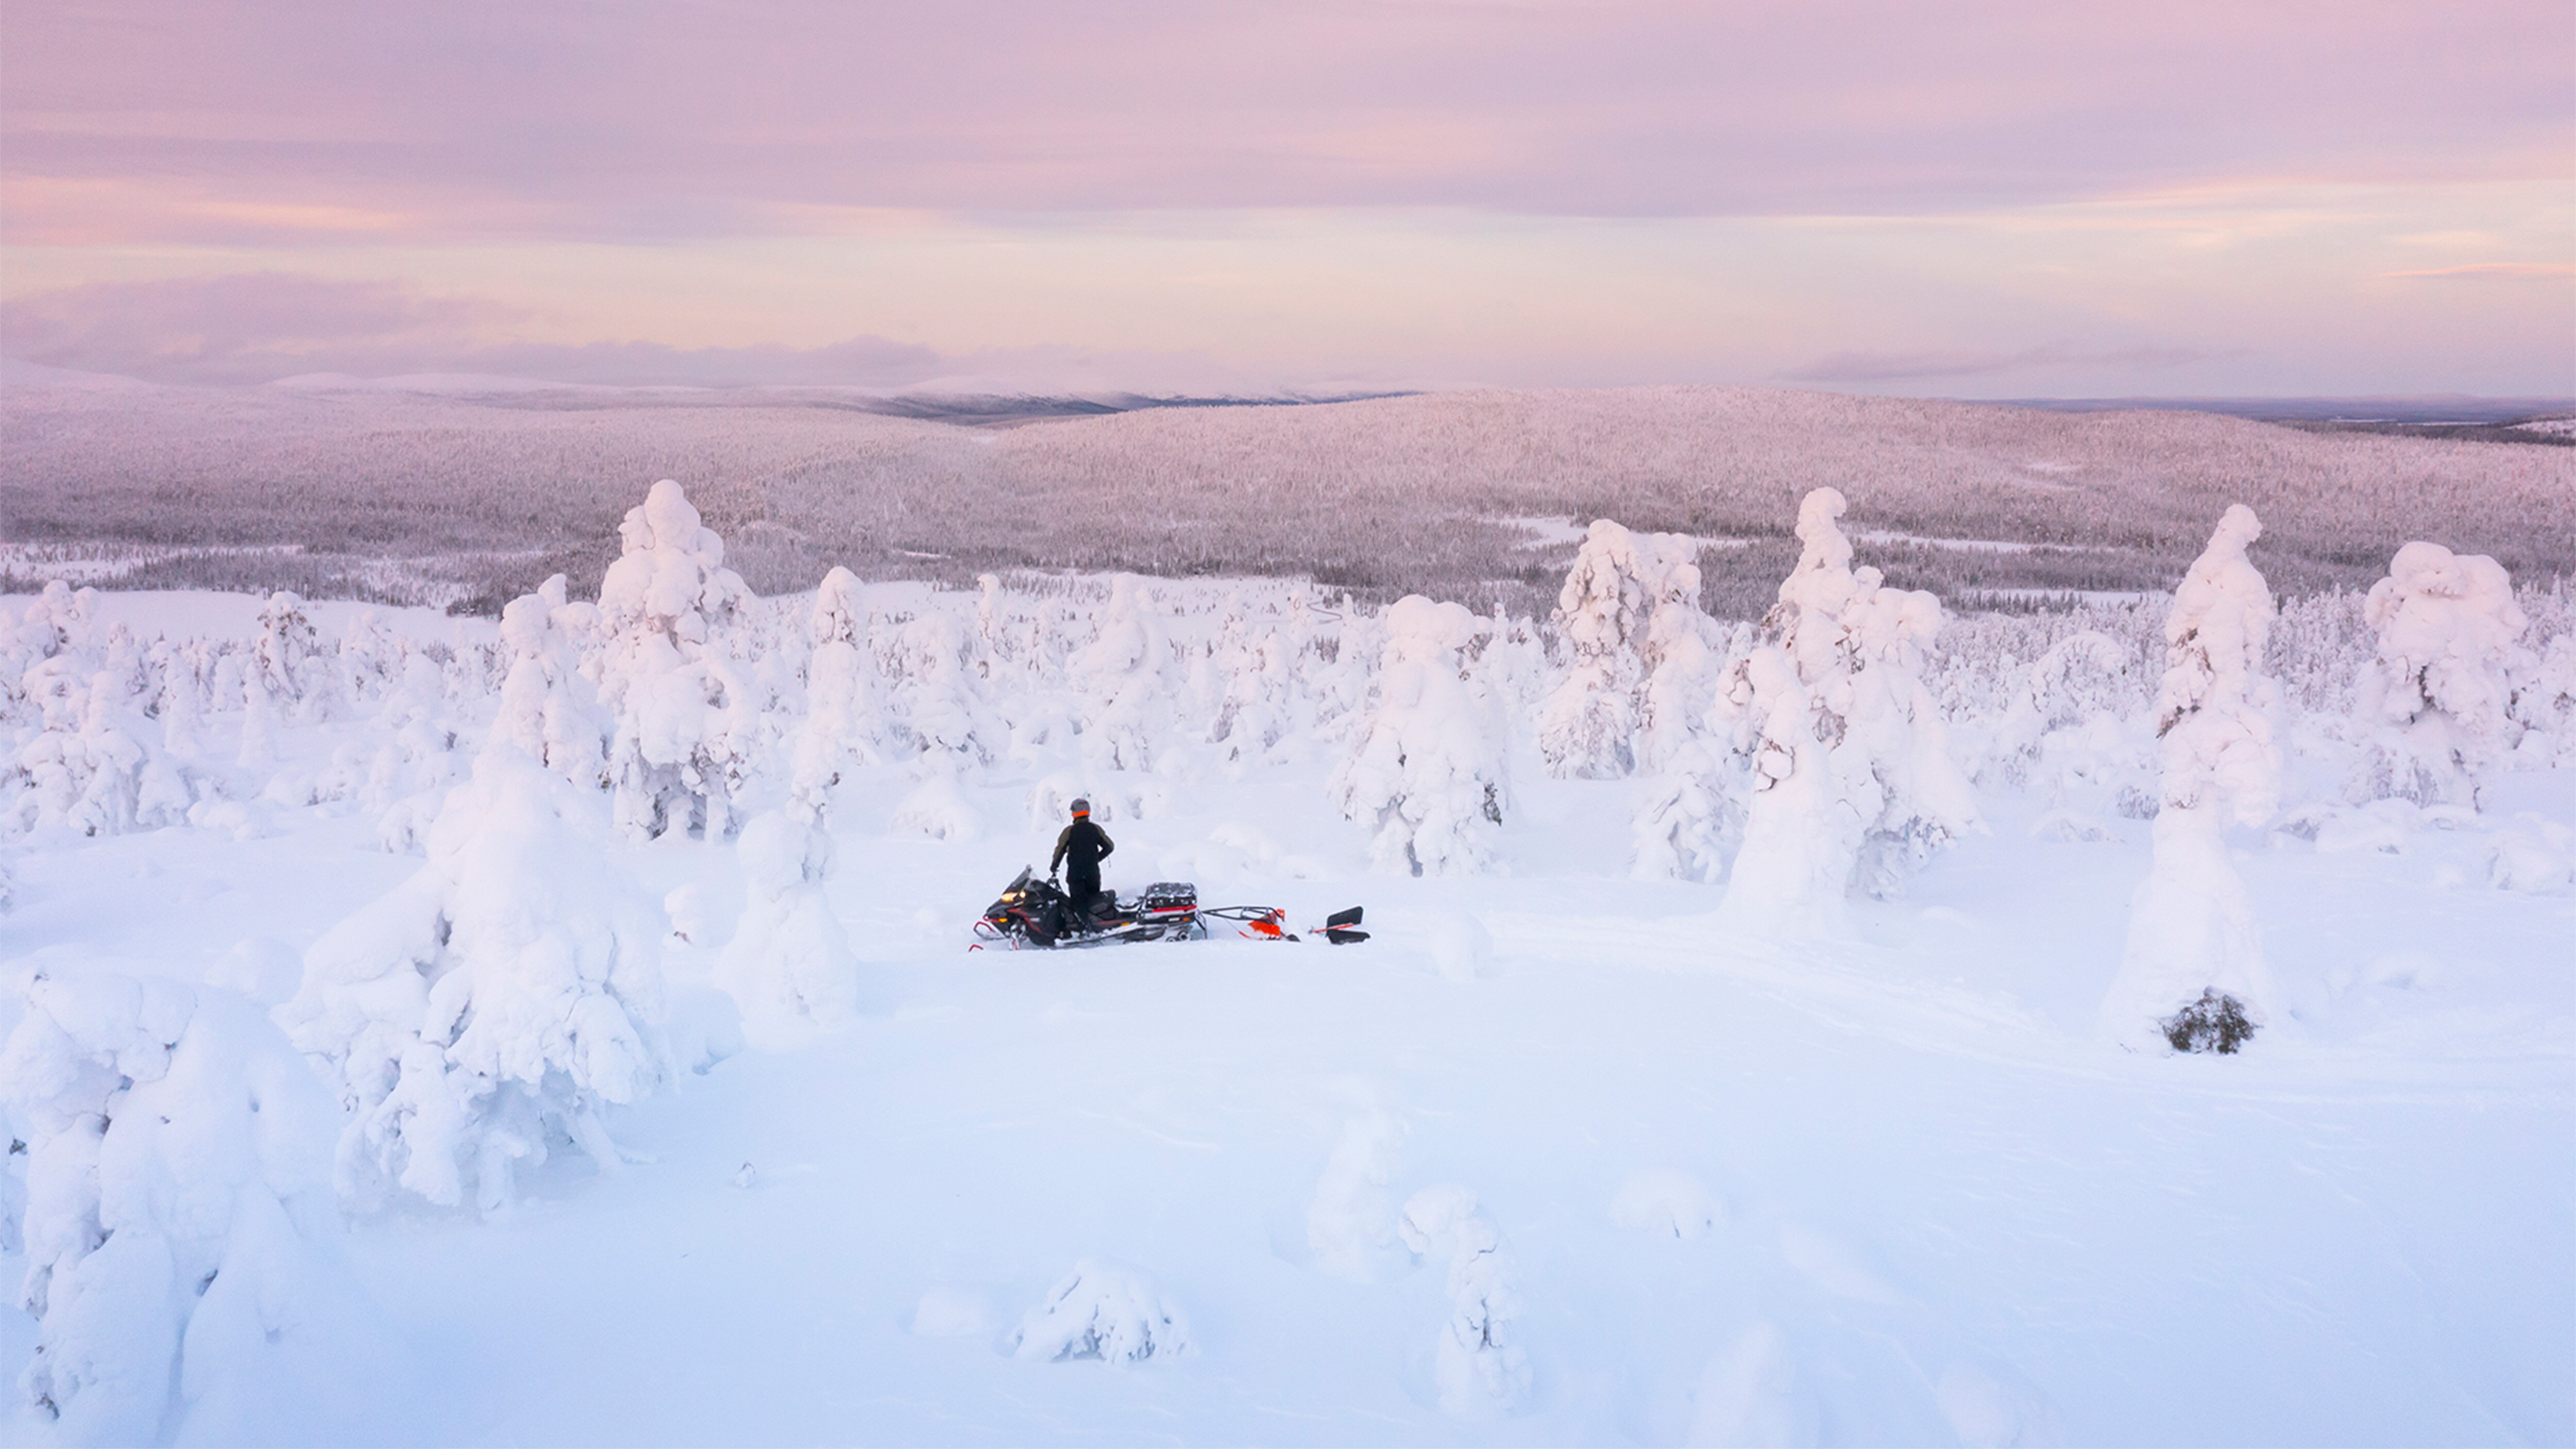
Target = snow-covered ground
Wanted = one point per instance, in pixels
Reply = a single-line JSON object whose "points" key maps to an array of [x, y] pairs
{"points": [[1881, 1182]]}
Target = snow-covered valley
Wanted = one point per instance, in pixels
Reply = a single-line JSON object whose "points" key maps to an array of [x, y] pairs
{"points": [[1583, 1146]]}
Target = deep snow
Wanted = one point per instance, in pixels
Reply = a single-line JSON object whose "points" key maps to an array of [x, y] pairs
{"points": [[1945, 1210]]}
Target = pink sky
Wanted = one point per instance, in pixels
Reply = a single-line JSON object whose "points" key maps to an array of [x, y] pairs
{"points": [[1998, 199]]}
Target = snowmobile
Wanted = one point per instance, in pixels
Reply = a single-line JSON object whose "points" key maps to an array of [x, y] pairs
{"points": [[1035, 913]]}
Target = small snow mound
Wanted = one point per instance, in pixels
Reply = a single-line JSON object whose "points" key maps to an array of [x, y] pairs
{"points": [[263, 968], [1462, 948], [1107, 1310], [1752, 1395], [1832, 1265], [951, 1313], [2382, 825], [1666, 1204], [1991, 1407], [692, 915], [1350, 1224], [240, 819], [937, 809], [2072, 827], [2533, 855]]}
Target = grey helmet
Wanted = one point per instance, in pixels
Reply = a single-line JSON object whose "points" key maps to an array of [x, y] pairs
{"points": [[1081, 808]]}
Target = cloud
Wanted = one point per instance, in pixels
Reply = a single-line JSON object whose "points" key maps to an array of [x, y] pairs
{"points": [[1869, 367], [263, 326], [2490, 272], [260, 326], [131, 120]]}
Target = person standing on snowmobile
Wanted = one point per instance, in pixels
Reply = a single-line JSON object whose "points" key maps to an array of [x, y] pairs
{"points": [[1080, 849]]}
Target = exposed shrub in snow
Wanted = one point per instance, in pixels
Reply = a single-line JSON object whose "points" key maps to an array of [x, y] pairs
{"points": [[498, 1000], [1690, 817], [843, 715], [2191, 926], [789, 965], [182, 1240], [1629, 599], [1426, 772], [1106, 1310], [1481, 1374], [1851, 780], [2435, 699], [684, 720], [2214, 1023]]}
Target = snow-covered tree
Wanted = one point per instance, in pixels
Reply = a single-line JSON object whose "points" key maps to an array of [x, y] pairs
{"points": [[1426, 771], [1607, 612], [2435, 699], [2193, 947], [1104, 1310], [295, 675], [548, 709], [97, 767], [1850, 776], [789, 966], [1481, 1373], [496, 1001], [843, 715], [181, 1236], [937, 704], [1122, 683], [669, 611]]}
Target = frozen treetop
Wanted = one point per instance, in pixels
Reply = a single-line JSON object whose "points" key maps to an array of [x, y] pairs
{"points": [[673, 566], [1420, 630], [2436, 604], [1822, 547], [2224, 608]]}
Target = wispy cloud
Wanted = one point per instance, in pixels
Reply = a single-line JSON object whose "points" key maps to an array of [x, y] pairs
{"points": [[2490, 272], [261, 326], [1869, 367]]}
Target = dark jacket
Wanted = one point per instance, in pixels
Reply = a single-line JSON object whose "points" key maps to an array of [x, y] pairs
{"points": [[1080, 849]]}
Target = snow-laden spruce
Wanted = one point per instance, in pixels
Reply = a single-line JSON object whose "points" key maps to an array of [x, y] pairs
{"points": [[1629, 599], [2435, 698], [1104, 1310], [97, 767], [1481, 1373], [686, 726], [495, 1003], [1849, 777], [1426, 772], [789, 966], [1122, 683], [548, 709], [182, 1241], [843, 714], [2191, 926]]}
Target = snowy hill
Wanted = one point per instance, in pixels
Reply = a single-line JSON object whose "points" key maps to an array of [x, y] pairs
{"points": [[397, 1002]]}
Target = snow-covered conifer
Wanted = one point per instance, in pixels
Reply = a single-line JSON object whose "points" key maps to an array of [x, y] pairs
{"points": [[1851, 780], [182, 1241], [97, 768], [1426, 771], [937, 702], [669, 611], [1121, 682], [1481, 1373], [1620, 583], [289, 667], [496, 1001], [548, 709], [2435, 699], [1104, 1310], [843, 715], [789, 967], [2191, 926]]}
